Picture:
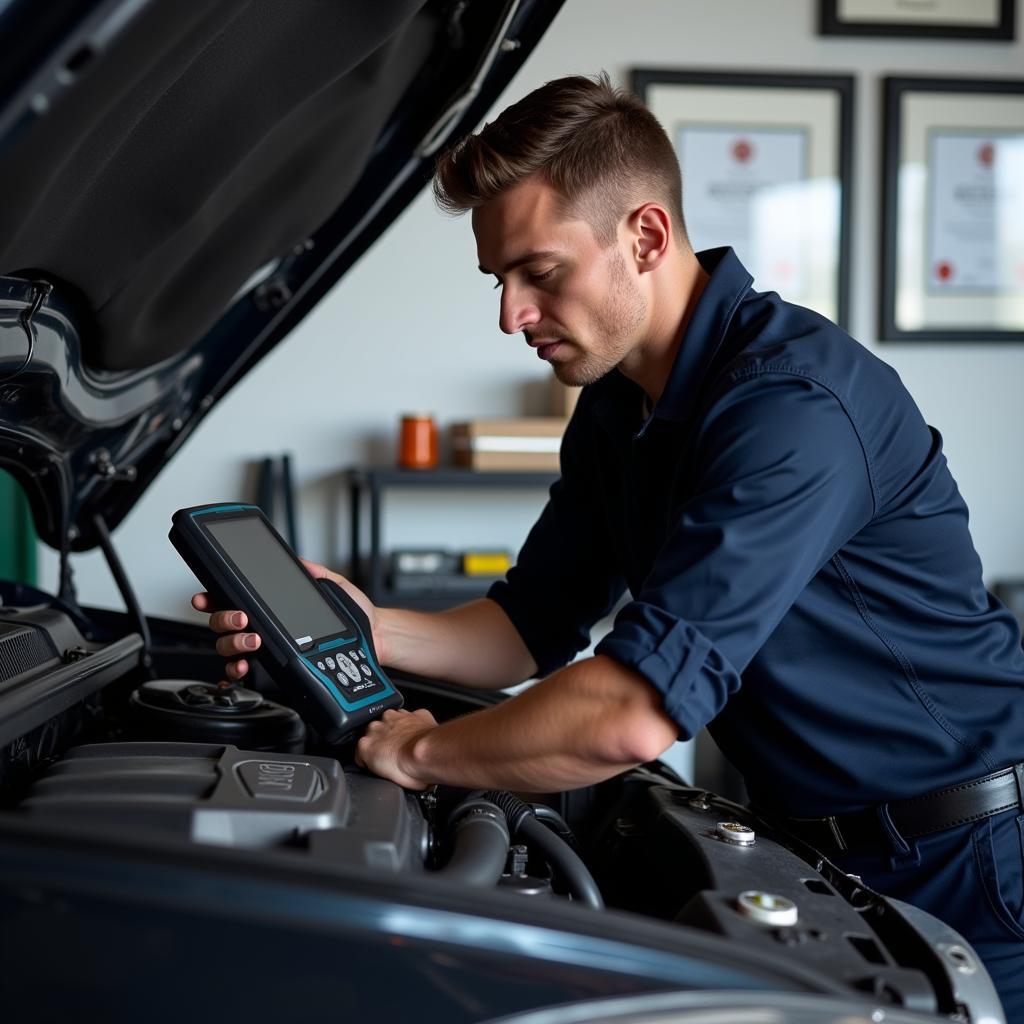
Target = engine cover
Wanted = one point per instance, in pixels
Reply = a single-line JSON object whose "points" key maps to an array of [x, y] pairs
{"points": [[229, 797]]}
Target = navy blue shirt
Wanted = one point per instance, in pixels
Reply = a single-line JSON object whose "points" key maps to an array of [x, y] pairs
{"points": [[801, 574]]}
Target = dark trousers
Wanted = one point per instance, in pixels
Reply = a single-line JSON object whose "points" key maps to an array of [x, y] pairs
{"points": [[971, 877]]}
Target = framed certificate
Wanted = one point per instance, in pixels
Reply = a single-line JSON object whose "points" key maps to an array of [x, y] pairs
{"points": [[953, 210], [765, 161], [950, 19]]}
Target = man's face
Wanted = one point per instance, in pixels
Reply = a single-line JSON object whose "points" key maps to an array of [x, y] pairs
{"points": [[578, 303]]}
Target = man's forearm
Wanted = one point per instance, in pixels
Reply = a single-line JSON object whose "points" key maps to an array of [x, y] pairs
{"points": [[580, 726], [475, 645]]}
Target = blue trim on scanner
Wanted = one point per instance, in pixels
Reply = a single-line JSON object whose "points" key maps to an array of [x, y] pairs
{"points": [[224, 508], [331, 644], [377, 668]]}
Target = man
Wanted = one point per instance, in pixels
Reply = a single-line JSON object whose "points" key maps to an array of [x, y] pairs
{"points": [[801, 575]]}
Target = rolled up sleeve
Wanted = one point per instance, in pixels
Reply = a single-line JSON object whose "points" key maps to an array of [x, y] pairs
{"points": [[782, 481]]}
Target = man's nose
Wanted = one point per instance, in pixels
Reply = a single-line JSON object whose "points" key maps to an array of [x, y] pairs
{"points": [[517, 312]]}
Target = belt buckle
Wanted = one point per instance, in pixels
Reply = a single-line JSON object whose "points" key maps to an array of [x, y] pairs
{"points": [[1018, 774]]}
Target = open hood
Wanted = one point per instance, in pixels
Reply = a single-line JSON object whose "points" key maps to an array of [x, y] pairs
{"points": [[180, 184]]}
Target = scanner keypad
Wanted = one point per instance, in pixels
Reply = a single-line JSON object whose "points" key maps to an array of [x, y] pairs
{"points": [[348, 669]]}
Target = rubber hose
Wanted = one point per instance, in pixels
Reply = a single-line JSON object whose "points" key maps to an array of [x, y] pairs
{"points": [[522, 821], [555, 822], [479, 845], [566, 861], [514, 809]]}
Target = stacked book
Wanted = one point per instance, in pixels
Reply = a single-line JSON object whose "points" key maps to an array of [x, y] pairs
{"points": [[523, 443]]}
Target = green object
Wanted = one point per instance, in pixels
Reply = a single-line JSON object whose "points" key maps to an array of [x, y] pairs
{"points": [[17, 534]]}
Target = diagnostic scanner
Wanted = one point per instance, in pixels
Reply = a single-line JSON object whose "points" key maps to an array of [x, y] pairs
{"points": [[316, 641]]}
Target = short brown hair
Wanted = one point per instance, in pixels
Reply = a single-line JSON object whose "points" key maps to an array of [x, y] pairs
{"points": [[599, 146]]}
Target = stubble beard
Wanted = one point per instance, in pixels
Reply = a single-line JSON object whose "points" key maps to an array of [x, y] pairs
{"points": [[615, 329]]}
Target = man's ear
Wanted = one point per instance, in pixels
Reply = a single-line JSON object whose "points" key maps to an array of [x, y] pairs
{"points": [[650, 228]]}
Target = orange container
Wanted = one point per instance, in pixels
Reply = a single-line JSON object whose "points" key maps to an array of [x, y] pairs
{"points": [[417, 441]]}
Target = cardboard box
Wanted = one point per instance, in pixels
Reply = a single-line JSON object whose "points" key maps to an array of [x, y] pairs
{"points": [[523, 443]]}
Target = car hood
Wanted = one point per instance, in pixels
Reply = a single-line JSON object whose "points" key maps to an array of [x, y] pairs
{"points": [[181, 184]]}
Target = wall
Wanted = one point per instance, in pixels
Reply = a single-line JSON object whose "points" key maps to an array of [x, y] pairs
{"points": [[413, 326]]}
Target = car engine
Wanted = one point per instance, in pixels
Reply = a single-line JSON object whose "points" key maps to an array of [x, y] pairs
{"points": [[92, 741]]}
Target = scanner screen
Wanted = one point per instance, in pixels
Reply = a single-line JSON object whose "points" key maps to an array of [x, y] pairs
{"points": [[285, 588]]}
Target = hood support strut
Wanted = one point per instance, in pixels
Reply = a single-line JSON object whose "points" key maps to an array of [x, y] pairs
{"points": [[127, 592]]}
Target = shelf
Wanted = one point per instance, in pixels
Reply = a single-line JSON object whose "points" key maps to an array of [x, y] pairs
{"points": [[371, 482], [430, 600], [448, 476]]}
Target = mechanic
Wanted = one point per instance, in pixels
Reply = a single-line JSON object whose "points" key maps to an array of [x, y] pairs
{"points": [[800, 573]]}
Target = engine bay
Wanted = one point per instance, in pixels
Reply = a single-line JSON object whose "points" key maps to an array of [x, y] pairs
{"points": [[95, 740]]}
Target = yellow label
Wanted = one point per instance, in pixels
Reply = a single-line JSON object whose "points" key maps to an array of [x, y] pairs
{"points": [[485, 563]]}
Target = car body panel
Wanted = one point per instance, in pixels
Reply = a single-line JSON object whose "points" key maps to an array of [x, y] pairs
{"points": [[176, 253]]}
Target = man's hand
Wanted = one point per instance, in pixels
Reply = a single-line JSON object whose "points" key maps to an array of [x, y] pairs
{"points": [[235, 643], [582, 725], [386, 746]]}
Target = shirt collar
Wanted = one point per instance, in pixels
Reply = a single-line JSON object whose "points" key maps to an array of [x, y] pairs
{"points": [[728, 282]]}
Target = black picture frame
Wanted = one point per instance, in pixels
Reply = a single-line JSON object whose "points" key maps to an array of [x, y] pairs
{"points": [[895, 90], [642, 80], [831, 23]]}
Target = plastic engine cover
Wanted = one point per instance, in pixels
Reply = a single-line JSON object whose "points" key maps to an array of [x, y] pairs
{"points": [[219, 794]]}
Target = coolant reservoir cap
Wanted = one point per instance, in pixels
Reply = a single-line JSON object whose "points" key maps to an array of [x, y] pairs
{"points": [[767, 908], [181, 694], [193, 711], [734, 832]]}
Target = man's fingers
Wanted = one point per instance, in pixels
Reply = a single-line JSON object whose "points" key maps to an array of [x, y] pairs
{"points": [[228, 622], [220, 621], [237, 669], [233, 644]]}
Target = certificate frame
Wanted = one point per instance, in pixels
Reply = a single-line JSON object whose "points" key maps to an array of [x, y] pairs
{"points": [[951, 19], [819, 105], [918, 113]]}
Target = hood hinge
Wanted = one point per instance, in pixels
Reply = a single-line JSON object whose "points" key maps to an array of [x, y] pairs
{"points": [[40, 293]]}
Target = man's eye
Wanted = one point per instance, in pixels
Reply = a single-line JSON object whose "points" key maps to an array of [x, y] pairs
{"points": [[543, 276]]}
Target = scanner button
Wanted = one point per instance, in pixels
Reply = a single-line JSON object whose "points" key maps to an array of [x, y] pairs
{"points": [[320, 665], [366, 671], [348, 668], [330, 662], [341, 679]]}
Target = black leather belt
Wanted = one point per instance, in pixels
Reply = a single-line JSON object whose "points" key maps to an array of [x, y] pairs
{"points": [[918, 816]]}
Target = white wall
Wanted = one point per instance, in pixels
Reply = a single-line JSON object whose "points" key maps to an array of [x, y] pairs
{"points": [[413, 326]]}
